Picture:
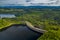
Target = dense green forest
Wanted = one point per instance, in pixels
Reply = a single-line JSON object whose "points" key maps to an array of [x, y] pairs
{"points": [[47, 19]]}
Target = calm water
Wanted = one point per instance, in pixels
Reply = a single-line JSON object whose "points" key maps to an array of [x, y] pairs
{"points": [[7, 15], [19, 33]]}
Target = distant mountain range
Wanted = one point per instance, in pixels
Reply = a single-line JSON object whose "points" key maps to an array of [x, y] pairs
{"points": [[53, 7]]}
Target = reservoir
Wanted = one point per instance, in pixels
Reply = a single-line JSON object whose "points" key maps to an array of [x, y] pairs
{"points": [[7, 16], [19, 32]]}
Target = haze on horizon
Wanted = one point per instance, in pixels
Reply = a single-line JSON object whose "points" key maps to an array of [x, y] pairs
{"points": [[29, 2]]}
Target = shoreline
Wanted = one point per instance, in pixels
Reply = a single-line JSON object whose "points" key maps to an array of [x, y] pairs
{"points": [[4, 28], [26, 23]]}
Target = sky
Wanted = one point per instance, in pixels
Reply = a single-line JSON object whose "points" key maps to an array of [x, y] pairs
{"points": [[30, 2]]}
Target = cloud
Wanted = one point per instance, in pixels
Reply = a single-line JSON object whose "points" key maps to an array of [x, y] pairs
{"points": [[29, 2], [45, 2], [39, 1]]}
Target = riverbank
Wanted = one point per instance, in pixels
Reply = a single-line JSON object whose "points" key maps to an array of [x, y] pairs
{"points": [[5, 22], [6, 27], [3, 27]]}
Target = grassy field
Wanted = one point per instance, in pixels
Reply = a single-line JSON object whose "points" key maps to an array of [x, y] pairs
{"points": [[46, 19]]}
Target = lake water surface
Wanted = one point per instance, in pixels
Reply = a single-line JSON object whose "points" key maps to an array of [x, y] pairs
{"points": [[19, 33], [7, 15]]}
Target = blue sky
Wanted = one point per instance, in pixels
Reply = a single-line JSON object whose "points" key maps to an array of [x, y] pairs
{"points": [[30, 2]]}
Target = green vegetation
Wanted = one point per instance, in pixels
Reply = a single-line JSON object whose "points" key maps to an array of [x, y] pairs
{"points": [[47, 19], [5, 22]]}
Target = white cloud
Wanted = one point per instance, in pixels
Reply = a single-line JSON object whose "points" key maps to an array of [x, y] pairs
{"points": [[30, 2], [39, 1]]}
